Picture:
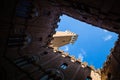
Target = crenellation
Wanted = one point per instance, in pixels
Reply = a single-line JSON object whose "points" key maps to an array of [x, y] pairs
{"points": [[38, 19]]}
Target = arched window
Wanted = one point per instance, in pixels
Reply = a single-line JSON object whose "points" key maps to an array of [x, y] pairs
{"points": [[19, 40], [33, 59], [26, 61], [52, 75], [21, 62], [64, 66], [16, 40], [24, 8], [88, 78]]}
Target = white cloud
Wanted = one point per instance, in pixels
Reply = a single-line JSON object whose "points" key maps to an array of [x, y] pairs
{"points": [[108, 37], [66, 48], [82, 54], [83, 51], [105, 30]]}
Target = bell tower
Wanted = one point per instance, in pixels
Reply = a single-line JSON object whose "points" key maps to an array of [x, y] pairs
{"points": [[61, 38]]}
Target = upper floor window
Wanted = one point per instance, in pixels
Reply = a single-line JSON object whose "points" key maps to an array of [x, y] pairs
{"points": [[19, 40], [16, 40], [88, 78], [52, 75], [64, 66], [44, 53]]}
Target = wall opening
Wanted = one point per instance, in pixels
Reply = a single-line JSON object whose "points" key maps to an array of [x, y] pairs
{"points": [[93, 44], [88, 78], [64, 66]]}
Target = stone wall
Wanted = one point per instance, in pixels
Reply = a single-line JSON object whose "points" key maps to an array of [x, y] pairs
{"points": [[24, 36]]}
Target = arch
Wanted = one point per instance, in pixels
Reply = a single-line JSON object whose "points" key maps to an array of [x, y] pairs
{"points": [[19, 40], [16, 40], [64, 66], [52, 74]]}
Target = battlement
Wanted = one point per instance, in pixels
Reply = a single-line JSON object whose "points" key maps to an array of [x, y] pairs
{"points": [[74, 36]]}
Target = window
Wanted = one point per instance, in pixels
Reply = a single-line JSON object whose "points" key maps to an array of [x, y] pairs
{"points": [[44, 77], [44, 53], [19, 40], [26, 61], [16, 40], [23, 8], [22, 62], [52, 75], [64, 66], [26, 9], [33, 58], [109, 76], [40, 39], [88, 78]]}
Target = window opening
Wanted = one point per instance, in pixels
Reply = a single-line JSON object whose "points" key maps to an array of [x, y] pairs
{"points": [[64, 66], [88, 78]]}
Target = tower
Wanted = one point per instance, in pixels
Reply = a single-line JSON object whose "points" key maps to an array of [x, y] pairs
{"points": [[61, 38]]}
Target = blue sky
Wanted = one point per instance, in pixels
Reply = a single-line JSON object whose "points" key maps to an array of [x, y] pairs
{"points": [[93, 43]]}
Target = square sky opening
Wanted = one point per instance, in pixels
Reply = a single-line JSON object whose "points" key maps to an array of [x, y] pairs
{"points": [[93, 44]]}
